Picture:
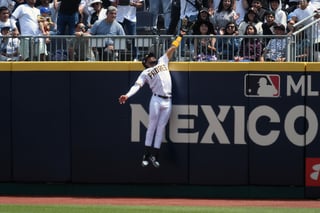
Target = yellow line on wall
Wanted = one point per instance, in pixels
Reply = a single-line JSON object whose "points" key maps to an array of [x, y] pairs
{"points": [[5, 66], [174, 66], [312, 67], [71, 66], [246, 66]]}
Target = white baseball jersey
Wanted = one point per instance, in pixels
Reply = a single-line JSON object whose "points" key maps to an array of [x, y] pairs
{"points": [[158, 77]]}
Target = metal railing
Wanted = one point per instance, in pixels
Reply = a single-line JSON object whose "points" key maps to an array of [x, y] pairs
{"points": [[305, 40], [301, 45]]}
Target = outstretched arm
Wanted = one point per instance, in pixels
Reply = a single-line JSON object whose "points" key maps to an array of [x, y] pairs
{"points": [[133, 90], [175, 44]]}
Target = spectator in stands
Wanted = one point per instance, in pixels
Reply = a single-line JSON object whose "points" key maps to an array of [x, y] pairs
{"points": [[5, 20], [228, 45], [85, 10], [68, 16], [280, 15], [260, 10], [99, 12], [188, 16], [155, 6], [53, 14], [202, 16], [276, 49], [80, 47], [27, 14], [304, 38], [303, 11], [45, 22], [251, 17], [174, 18], [267, 27], [9, 46], [204, 47], [127, 17], [224, 14], [108, 26], [4, 17], [251, 48]]}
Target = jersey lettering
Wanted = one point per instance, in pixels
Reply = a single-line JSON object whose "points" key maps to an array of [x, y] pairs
{"points": [[156, 70]]}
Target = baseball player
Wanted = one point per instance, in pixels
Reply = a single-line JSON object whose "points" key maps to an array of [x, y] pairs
{"points": [[157, 75]]}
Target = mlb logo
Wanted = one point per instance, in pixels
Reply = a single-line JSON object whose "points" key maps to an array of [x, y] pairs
{"points": [[262, 85], [312, 172]]}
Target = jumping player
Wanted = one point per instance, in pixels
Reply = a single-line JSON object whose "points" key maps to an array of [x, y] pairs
{"points": [[157, 75]]}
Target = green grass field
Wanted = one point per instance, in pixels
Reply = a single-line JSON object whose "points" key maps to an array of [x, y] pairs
{"points": [[141, 209]]}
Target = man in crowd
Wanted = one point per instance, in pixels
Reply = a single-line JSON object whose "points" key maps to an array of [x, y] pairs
{"points": [[27, 14], [107, 26]]}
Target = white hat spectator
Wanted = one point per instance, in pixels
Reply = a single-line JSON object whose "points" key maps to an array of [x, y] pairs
{"points": [[95, 1]]}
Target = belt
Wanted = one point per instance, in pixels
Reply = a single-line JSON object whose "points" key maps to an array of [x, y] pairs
{"points": [[161, 96]]}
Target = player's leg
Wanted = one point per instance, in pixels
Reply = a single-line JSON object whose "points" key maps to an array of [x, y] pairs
{"points": [[162, 122], [146, 156], [154, 109]]}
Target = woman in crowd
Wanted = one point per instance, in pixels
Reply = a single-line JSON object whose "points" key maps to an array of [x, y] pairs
{"points": [[224, 14], [251, 48], [99, 12], [204, 47], [251, 17], [228, 44], [203, 15]]}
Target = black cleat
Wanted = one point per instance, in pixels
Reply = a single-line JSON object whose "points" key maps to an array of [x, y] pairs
{"points": [[145, 161], [154, 161]]}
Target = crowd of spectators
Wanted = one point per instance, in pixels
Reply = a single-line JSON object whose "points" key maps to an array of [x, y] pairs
{"points": [[218, 23]]}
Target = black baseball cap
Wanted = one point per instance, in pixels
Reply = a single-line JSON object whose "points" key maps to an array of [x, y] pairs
{"points": [[149, 55], [145, 59]]}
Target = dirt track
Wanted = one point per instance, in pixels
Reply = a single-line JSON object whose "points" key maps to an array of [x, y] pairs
{"points": [[163, 202]]}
